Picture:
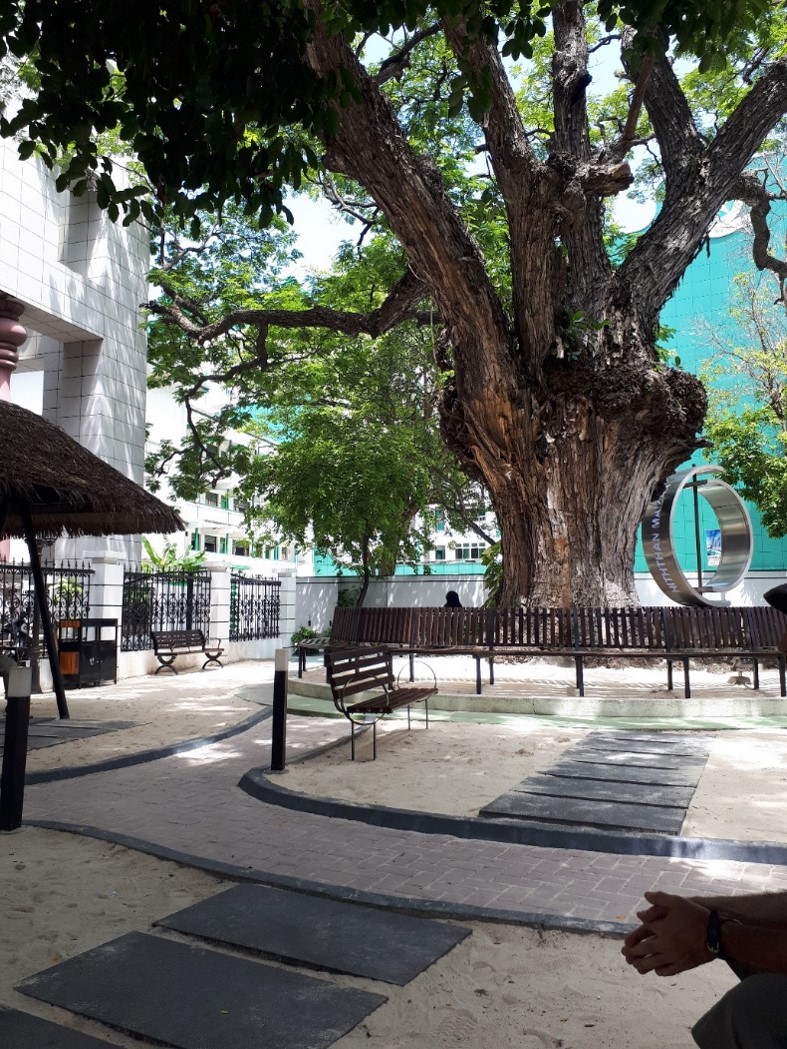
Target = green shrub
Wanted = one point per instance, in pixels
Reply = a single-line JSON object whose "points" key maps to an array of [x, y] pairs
{"points": [[303, 633]]}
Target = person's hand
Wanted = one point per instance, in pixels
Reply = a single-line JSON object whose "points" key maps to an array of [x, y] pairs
{"points": [[671, 938]]}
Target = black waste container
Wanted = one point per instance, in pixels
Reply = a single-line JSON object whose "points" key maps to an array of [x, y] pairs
{"points": [[88, 651]]}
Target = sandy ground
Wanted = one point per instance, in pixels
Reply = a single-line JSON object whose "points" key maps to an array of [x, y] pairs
{"points": [[457, 768], [505, 986]]}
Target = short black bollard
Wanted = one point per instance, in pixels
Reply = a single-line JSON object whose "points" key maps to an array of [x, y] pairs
{"points": [[17, 721], [279, 724]]}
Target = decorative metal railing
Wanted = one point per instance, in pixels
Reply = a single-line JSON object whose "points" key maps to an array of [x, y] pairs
{"points": [[254, 607], [67, 587], [162, 601]]}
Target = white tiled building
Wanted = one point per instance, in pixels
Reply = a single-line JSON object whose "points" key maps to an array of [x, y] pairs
{"points": [[79, 280]]}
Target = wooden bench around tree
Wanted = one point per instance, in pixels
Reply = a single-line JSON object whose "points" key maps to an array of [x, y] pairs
{"points": [[354, 673], [672, 634], [169, 644]]}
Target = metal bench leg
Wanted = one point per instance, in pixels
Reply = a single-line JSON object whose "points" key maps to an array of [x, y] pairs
{"points": [[166, 664], [478, 675], [756, 673], [412, 667], [301, 662], [426, 707], [670, 683], [686, 682], [374, 740], [352, 740], [491, 670], [212, 659], [580, 675], [782, 688], [408, 717]]}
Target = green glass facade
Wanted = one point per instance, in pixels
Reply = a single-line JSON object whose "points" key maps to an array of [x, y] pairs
{"points": [[705, 294]]}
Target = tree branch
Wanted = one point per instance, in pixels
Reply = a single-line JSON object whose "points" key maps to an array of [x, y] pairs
{"points": [[394, 66], [398, 306], [529, 188], [699, 182], [369, 146], [754, 194], [629, 132], [585, 182], [680, 144]]}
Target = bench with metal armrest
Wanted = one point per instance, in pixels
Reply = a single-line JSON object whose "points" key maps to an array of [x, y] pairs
{"points": [[169, 644], [363, 686]]}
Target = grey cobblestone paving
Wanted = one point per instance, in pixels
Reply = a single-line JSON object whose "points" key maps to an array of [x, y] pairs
{"points": [[190, 804]]}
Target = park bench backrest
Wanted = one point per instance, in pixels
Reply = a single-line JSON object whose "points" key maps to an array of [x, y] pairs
{"points": [[655, 628], [448, 627], [177, 638], [345, 625], [353, 670], [706, 629]]}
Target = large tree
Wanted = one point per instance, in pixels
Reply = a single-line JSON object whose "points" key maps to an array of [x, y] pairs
{"points": [[555, 394]]}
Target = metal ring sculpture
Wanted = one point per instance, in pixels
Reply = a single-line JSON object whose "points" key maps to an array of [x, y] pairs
{"points": [[734, 524]]}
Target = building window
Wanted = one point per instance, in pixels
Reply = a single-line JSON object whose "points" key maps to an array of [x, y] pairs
{"points": [[210, 545], [439, 553], [439, 521], [211, 499], [240, 550], [195, 540], [469, 551], [223, 545], [225, 501]]}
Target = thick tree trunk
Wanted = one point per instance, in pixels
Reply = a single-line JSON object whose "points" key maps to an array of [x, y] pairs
{"points": [[573, 466]]}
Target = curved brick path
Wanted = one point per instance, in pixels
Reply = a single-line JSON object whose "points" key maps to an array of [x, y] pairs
{"points": [[190, 804]]}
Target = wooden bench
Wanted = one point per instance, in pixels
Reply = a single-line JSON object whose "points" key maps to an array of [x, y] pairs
{"points": [[675, 635], [353, 672], [169, 644], [344, 630]]}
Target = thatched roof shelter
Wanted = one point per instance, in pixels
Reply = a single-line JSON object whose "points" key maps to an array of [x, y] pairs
{"points": [[49, 483], [66, 486]]}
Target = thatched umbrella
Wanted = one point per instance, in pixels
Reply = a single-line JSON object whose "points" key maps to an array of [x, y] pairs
{"points": [[49, 484]]}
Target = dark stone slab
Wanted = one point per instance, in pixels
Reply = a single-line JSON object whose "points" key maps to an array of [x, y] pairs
{"points": [[327, 934], [36, 742], [581, 812], [604, 790], [20, 1030], [682, 739], [192, 998], [47, 732], [630, 757], [686, 777], [645, 746]]}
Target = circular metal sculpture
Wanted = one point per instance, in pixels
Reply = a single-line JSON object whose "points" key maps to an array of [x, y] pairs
{"points": [[735, 533]]}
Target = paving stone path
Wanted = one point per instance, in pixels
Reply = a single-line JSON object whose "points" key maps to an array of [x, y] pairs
{"points": [[613, 780]]}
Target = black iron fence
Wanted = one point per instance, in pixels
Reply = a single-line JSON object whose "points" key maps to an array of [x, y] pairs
{"points": [[163, 601], [254, 607], [67, 587]]}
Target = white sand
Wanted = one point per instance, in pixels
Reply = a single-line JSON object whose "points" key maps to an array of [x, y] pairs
{"points": [[505, 986], [456, 769]]}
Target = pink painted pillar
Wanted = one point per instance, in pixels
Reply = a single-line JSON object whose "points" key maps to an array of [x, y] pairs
{"points": [[12, 335]]}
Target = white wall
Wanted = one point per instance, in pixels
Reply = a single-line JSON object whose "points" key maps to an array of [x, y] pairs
{"points": [[81, 279]]}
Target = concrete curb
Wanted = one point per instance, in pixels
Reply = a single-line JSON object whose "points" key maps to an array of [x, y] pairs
{"points": [[514, 832], [143, 756]]}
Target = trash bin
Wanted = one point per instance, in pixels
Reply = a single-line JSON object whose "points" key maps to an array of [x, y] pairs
{"points": [[88, 651]]}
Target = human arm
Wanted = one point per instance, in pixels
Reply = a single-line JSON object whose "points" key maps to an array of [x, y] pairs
{"points": [[762, 908], [672, 936]]}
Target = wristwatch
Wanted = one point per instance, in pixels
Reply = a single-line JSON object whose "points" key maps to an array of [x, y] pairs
{"points": [[713, 933]]}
